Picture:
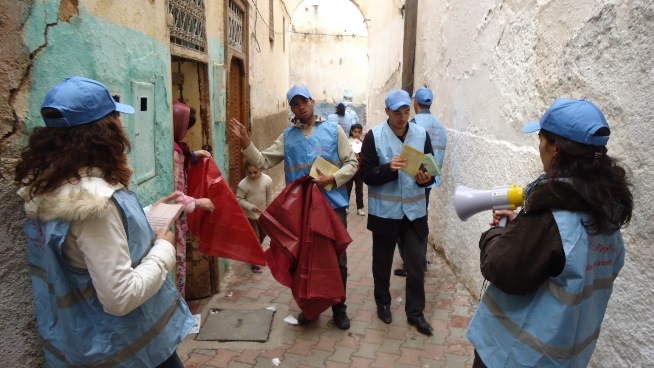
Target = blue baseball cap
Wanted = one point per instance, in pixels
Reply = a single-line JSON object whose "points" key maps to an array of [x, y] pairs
{"points": [[398, 98], [424, 96], [80, 101], [298, 91], [576, 120]]}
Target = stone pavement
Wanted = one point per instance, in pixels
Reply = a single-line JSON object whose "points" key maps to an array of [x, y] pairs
{"points": [[368, 343]]}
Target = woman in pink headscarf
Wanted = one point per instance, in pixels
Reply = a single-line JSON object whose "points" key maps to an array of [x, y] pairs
{"points": [[183, 157]]}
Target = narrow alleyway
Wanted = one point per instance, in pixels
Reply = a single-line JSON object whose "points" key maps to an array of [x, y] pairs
{"points": [[368, 343]]}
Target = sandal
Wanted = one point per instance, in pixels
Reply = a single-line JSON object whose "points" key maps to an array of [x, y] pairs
{"points": [[256, 269]]}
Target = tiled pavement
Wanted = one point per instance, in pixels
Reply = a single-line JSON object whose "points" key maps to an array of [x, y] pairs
{"points": [[368, 343]]}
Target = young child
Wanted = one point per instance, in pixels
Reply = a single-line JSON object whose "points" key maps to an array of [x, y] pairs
{"points": [[355, 141], [254, 194]]}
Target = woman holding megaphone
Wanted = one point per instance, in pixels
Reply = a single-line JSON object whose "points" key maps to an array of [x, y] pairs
{"points": [[552, 267]]}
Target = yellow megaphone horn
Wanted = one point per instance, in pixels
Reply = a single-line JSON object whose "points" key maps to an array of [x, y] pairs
{"points": [[468, 201]]}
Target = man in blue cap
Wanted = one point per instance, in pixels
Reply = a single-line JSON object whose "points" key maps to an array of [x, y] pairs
{"points": [[422, 101], [396, 207], [298, 146]]}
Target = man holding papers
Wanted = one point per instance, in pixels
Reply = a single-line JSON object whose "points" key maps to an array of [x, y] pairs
{"points": [[298, 146], [397, 207]]}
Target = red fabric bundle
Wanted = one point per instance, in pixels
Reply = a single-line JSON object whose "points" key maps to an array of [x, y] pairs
{"points": [[226, 232], [306, 239]]}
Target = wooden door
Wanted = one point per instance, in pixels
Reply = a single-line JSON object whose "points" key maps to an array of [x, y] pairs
{"points": [[236, 108]]}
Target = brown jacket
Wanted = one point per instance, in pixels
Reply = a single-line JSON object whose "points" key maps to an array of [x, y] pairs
{"points": [[519, 258]]}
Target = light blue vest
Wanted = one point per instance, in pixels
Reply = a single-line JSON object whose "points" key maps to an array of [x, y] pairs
{"points": [[75, 330], [346, 121], [300, 152], [438, 136], [402, 197], [557, 325]]}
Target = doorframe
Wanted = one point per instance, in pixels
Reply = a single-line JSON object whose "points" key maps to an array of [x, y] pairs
{"points": [[241, 57]]}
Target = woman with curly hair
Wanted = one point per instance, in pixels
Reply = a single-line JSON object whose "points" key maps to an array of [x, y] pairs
{"points": [[99, 270], [551, 269]]}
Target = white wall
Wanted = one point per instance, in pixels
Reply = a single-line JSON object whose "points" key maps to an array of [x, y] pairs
{"points": [[329, 44], [493, 66]]}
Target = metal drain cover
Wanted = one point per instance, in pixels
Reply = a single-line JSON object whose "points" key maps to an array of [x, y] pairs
{"points": [[237, 325]]}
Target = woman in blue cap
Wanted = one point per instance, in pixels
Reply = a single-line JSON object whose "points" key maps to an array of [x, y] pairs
{"points": [[552, 268], [99, 270]]}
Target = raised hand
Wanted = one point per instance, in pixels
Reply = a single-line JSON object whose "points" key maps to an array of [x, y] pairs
{"points": [[240, 132]]}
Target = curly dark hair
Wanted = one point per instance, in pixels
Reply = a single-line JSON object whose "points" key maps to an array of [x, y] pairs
{"points": [[54, 156], [598, 178]]}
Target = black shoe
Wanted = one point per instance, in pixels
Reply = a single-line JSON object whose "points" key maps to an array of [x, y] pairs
{"points": [[421, 325], [302, 320], [341, 320], [400, 271], [384, 313]]}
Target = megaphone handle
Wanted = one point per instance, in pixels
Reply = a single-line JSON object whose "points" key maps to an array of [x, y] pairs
{"points": [[503, 221]]}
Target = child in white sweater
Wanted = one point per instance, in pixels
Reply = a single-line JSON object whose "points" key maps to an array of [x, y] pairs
{"points": [[254, 194]]}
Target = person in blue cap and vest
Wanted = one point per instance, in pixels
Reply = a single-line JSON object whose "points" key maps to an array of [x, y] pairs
{"points": [[397, 210], [422, 100], [551, 269], [298, 146], [343, 117], [99, 271]]}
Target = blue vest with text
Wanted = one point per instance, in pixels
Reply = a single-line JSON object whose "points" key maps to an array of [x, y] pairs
{"points": [[557, 325], [300, 152], [437, 134], [75, 330], [401, 197]]}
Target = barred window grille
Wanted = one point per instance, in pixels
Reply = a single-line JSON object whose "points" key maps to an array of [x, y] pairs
{"points": [[188, 30], [235, 27]]}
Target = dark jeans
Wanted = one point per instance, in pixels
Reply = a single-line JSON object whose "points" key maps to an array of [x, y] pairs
{"points": [[413, 249], [172, 362], [342, 264], [358, 189]]}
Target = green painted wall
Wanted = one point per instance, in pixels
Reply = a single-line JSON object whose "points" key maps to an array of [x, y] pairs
{"points": [[218, 95], [218, 101], [114, 55]]}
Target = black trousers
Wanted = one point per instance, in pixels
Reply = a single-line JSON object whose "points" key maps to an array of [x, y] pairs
{"points": [[342, 264], [427, 191], [358, 189], [413, 248]]}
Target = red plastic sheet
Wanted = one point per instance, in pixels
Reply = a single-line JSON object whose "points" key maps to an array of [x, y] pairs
{"points": [[226, 232], [306, 239]]}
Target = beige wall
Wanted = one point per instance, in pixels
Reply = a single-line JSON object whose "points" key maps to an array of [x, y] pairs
{"points": [[149, 17], [329, 46], [493, 66], [386, 32], [269, 77]]}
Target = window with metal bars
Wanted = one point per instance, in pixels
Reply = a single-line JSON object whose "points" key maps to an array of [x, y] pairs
{"points": [[189, 28], [235, 27]]}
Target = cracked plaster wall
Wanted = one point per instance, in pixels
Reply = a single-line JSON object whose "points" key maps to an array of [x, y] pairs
{"points": [[495, 65]]}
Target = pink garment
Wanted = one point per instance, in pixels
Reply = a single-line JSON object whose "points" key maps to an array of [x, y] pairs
{"points": [[181, 226], [181, 117]]}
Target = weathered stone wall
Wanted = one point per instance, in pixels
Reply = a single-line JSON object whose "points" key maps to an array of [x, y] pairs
{"points": [[495, 65], [20, 346]]}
